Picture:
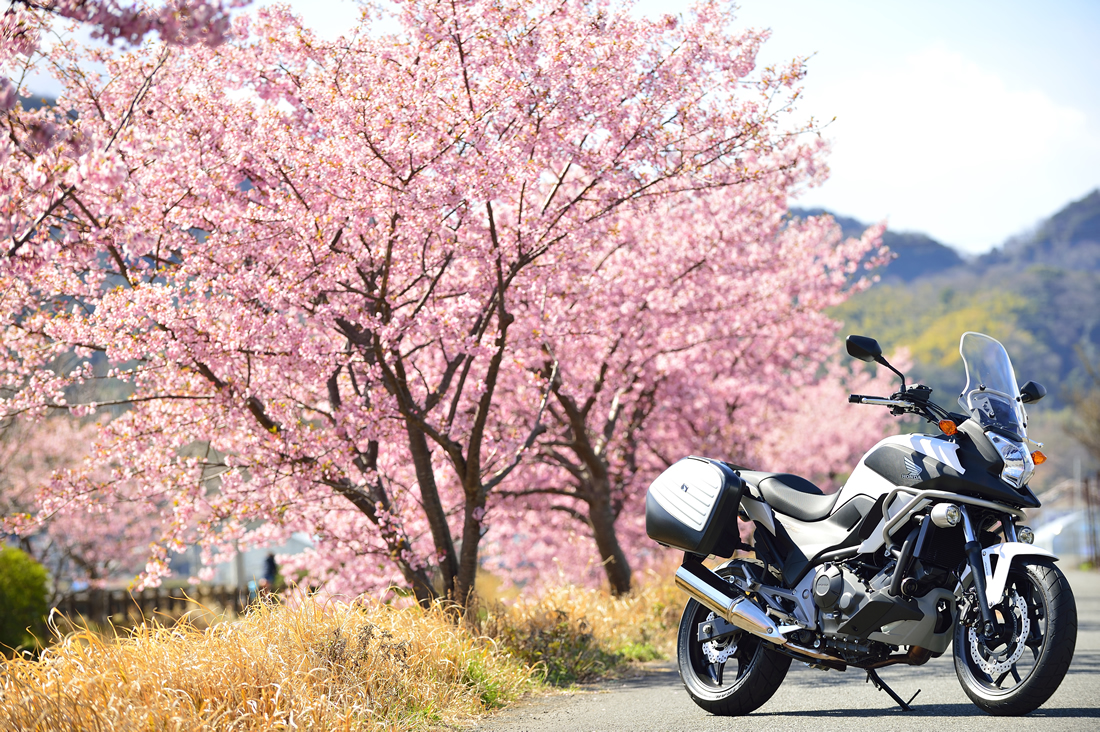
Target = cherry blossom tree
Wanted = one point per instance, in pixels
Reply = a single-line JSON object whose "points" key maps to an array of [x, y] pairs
{"points": [[24, 22], [105, 536], [318, 266], [176, 21], [684, 339]]}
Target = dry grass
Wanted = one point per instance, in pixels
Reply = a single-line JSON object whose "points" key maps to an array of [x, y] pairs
{"points": [[576, 634], [333, 666], [321, 666]]}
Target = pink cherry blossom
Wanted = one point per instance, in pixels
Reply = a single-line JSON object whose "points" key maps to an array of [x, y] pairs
{"points": [[352, 288]]}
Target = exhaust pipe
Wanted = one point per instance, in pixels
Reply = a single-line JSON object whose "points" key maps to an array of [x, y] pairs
{"points": [[734, 608], [713, 592]]}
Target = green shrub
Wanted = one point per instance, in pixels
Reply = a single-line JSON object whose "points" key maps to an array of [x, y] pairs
{"points": [[23, 601], [561, 645], [639, 652]]}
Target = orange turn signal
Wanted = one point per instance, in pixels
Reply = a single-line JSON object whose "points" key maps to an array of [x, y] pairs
{"points": [[1038, 457], [948, 427]]}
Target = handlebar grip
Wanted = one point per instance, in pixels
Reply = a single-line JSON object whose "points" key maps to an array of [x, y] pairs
{"points": [[855, 398]]}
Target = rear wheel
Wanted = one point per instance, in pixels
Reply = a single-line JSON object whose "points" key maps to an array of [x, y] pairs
{"points": [[1021, 666], [730, 676]]}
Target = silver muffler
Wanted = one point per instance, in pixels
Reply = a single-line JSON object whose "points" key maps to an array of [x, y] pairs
{"points": [[740, 611], [735, 608]]}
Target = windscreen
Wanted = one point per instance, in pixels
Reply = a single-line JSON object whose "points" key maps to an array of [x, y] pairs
{"points": [[991, 394]]}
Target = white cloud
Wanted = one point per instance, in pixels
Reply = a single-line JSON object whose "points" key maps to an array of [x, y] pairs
{"points": [[936, 138]]}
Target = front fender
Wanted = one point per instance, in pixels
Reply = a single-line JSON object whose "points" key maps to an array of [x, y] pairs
{"points": [[998, 560]]}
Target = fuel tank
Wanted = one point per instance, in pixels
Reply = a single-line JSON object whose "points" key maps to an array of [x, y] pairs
{"points": [[933, 462]]}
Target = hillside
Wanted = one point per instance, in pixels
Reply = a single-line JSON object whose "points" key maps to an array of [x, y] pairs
{"points": [[1069, 239], [1039, 294], [918, 255]]}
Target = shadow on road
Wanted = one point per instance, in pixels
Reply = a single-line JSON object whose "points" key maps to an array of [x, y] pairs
{"points": [[933, 710], [654, 675], [1085, 662]]}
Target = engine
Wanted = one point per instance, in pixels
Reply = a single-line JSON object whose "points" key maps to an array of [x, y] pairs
{"points": [[854, 613]]}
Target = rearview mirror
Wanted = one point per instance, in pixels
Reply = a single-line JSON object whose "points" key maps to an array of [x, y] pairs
{"points": [[863, 348], [1032, 392]]}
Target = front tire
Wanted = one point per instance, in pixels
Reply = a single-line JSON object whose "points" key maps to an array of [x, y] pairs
{"points": [[1023, 665], [746, 675]]}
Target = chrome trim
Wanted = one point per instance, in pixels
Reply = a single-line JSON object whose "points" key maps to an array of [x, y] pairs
{"points": [[880, 402], [736, 609], [941, 515]]}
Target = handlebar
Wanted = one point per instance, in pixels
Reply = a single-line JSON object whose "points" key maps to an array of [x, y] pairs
{"points": [[912, 401], [879, 401]]}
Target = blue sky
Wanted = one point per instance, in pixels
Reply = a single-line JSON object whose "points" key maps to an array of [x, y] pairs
{"points": [[968, 120]]}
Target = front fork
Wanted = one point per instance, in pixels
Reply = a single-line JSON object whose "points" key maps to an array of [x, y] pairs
{"points": [[977, 570]]}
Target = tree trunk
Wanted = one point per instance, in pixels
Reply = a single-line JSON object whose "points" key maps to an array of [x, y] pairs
{"points": [[467, 565], [433, 506], [601, 518]]}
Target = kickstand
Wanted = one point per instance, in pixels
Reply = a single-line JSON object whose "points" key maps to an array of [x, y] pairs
{"points": [[873, 677]]}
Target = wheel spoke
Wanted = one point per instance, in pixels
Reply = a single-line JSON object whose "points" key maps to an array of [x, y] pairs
{"points": [[1015, 673], [715, 671], [1001, 678]]}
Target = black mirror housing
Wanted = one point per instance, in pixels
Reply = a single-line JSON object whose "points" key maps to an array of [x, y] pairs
{"points": [[1032, 392], [863, 348]]}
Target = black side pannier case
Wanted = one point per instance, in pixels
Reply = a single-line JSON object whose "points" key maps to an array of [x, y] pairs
{"points": [[693, 506]]}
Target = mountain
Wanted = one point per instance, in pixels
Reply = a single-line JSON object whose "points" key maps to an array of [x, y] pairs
{"points": [[918, 255], [1069, 239], [32, 103], [1039, 294]]}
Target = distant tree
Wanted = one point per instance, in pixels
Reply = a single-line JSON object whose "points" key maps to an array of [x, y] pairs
{"points": [[98, 536], [1085, 425], [814, 432]]}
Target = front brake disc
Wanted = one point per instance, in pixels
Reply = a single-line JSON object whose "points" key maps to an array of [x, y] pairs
{"points": [[999, 662]]}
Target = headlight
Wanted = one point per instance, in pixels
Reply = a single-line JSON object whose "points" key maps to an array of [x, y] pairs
{"points": [[1018, 463], [1025, 534]]}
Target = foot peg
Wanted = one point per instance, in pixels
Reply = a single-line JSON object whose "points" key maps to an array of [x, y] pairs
{"points": [[881, 685]]}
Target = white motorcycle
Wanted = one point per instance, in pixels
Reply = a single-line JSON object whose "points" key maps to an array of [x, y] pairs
{"points": [[923, 545]]}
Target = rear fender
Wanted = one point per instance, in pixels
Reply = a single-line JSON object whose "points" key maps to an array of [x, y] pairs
{"points": [[998, 560]]}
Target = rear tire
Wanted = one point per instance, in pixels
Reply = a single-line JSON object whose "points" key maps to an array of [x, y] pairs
{"points": [[743, 682], [1022, 668]]}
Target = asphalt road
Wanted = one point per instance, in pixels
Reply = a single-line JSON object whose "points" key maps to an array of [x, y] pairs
{"points": [[825, 700]]}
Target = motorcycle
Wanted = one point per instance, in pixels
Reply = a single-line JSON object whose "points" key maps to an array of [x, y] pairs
{"points": [[923, 547]]}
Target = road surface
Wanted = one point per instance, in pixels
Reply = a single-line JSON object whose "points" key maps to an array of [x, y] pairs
{"points": [[809, 699]]}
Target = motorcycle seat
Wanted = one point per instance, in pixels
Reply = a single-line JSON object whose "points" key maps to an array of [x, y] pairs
{"points": [[791, 495]]}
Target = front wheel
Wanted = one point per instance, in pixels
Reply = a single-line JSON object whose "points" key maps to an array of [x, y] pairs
{"points": [[730, 676], [1021, 666]]}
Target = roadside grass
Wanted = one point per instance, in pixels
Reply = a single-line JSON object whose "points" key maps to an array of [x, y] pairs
{"points": [[322, 666], [335, 666], [573, 634]]}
